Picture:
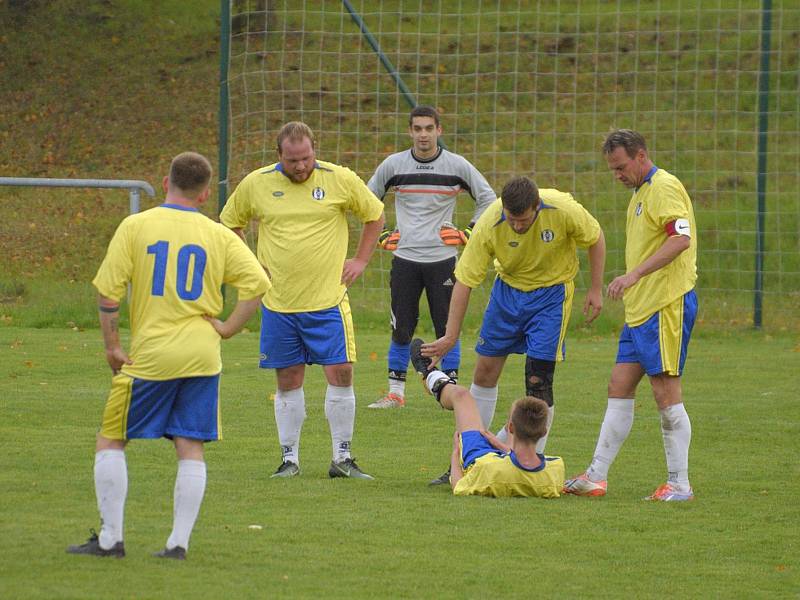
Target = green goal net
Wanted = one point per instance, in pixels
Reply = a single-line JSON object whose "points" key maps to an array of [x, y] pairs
{"points": [[527, 87]]}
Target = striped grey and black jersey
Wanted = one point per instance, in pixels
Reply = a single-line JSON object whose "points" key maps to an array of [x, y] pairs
{"points": [[425, 192]]}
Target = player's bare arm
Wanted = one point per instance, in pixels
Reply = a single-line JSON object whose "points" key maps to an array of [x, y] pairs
{"points": [[109, 324], [455, 319], [668, 251], [497, 444], [242, 312], [354, 267], [594, 297]]}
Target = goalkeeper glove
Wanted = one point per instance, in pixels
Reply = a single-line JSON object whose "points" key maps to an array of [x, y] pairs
{"points": [[388, 240], [452, 236]]}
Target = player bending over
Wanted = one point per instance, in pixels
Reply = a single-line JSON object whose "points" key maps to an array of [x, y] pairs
{"points": [[481, 465]]}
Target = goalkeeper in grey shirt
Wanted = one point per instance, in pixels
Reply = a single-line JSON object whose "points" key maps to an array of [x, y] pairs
{"points": [[426, 180]]}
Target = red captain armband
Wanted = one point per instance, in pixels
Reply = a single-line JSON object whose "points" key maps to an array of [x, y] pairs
{"points": [[678, 227]]}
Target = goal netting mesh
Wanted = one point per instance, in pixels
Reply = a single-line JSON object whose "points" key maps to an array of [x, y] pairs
{"points": [[532, 87]]}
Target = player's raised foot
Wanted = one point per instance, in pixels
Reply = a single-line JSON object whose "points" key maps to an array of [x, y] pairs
{"points": [[175, 553], [583, 486], [667, 493], [92, 547], [347, 468], [287, 469], [421, 364], [390, 400], [443, 479]]}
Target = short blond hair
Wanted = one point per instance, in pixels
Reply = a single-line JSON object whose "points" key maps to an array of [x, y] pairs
{"points": [[295, 131]]}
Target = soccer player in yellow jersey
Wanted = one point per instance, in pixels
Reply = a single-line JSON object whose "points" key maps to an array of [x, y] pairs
{"points": [[660, 308], [531, 235], [176, 260], [481, 464], [301, 205]]}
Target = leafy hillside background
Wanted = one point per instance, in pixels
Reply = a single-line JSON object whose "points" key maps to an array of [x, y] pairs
{"points": [[115, 88]]}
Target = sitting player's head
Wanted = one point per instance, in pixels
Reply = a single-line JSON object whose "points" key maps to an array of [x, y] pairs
{"points": [[528, 420], [189, 176]]}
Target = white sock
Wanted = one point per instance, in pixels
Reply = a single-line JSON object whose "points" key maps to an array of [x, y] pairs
{"points": [[615, 429], [677, 431], [340, 410], [111, 489], [433, 377], [190, 485], [486, 399], [398, 387], [502, 435], [540, 445], [290, 412]]}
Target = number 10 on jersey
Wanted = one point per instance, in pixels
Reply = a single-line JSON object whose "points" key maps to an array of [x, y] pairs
{"points": [[186, 292]]}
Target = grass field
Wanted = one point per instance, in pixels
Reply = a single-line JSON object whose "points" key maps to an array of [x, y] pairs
{"points": [[115, 88], [397, 537]]}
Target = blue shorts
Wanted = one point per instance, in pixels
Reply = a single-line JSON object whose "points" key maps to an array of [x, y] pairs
{"points": [[532, 323], [660, 344], [473, 446], [186, 407], [321, 337]]}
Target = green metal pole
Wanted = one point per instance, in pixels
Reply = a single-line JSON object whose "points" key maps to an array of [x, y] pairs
{"points": [[224, 58], [387, 64], [761, 182]]}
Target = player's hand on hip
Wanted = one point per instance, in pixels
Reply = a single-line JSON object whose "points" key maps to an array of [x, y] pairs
{"points": [[353, 268], [593, 304], [219, 327], [117, 358]]}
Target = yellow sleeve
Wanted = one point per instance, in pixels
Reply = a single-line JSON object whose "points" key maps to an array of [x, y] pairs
{"points": [[116, 270], [242, 269], [473, 265], [362, 202], [669, 204], [582, 226], [237, 211]]}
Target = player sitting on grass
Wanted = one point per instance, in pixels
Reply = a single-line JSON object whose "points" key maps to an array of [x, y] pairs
{"points": [[481, 464]]}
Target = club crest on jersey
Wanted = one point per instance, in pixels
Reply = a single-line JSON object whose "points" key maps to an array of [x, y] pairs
{"points": [[638, 209], [548, 235], [317, 193]]}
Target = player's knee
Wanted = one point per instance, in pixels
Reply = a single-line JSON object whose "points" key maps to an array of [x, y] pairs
{"points": [[402, 337], [539, 379]]}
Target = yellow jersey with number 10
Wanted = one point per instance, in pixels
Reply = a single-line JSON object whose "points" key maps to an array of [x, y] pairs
{"points": [[176, 259]]}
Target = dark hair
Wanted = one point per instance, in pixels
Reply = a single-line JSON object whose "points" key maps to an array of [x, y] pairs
{"points": [[295, 131], [529, 417], [632, 141], [519, 195], [190, 172], [424, 111]]}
